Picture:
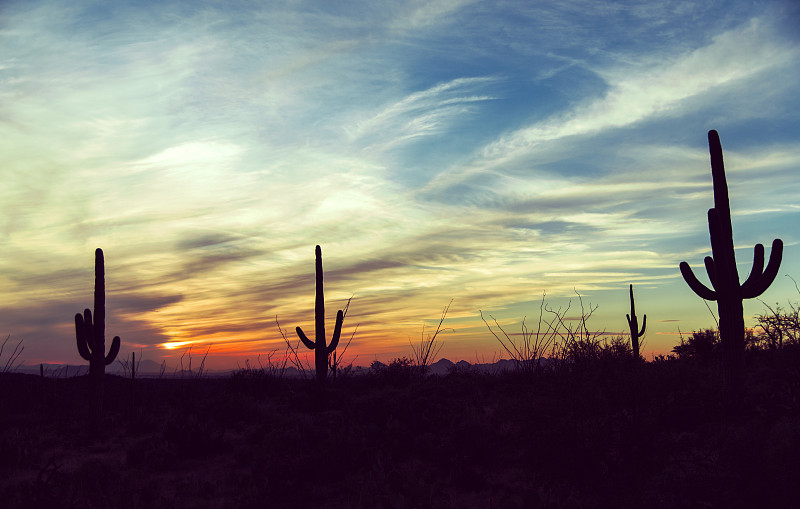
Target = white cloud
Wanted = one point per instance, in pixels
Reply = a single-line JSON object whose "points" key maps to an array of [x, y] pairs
{"points": [[422, 14], [424, 113], [656, 87]]}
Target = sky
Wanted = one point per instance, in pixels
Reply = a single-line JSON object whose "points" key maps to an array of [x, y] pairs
{"points": [[450, 150]]}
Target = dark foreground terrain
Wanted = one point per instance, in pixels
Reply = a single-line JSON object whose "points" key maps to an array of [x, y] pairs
{"points": [[615, 433]]}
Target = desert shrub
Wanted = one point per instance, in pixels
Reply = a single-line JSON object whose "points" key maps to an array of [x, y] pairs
{"points": [[270, 370], [778, 327], [424, 354], [399, 371], [704, 346], [255, 382], [701, 346], [529, 346], [616, 348], [463, 370], [588, 352], [582, 350], [572, 343], [377, 368], [660, 359]]}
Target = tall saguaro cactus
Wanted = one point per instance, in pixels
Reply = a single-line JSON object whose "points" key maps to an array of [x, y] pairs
{"points": [[91, 338], [724, 277], [321, 350], [633, 324]]}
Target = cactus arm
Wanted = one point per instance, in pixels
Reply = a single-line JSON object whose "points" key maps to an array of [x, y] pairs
{"points": [[630, 326], [113, 351], [644, 325], [758, 282], [757, 270], [699, 288], [337, 331], [711, 270], [774, 264], [89, 330], [309, 344], [80, 334]]}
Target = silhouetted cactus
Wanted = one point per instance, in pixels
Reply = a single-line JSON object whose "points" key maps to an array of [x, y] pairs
{"points": [[91, 339], [633, 324], [724, 277], [321, 351]]}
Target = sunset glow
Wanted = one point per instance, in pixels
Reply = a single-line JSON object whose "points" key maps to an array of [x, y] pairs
{"points": [[482, 152]]}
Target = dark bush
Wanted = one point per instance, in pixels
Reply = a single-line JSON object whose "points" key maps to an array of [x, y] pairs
{"points": [[701, 346]]}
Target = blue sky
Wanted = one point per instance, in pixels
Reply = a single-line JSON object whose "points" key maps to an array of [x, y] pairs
{"points": [[483, 152]]}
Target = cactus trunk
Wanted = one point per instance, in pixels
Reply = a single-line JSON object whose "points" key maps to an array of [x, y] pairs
{"points": [[731, 333], [97, 364], [320, 351]]}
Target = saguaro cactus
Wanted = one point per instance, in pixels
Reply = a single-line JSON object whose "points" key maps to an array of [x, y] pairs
{"points": [[91, 337], [633, 324], [724, 277], [321, 351]]}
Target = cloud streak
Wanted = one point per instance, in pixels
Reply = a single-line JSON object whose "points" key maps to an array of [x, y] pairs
{"points": [[655, 87]]}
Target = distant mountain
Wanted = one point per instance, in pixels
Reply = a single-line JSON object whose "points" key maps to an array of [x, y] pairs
{"points": [[146, 369], [150, 369], [444, 367], [56, 370], [441, 367], [147, 366]]}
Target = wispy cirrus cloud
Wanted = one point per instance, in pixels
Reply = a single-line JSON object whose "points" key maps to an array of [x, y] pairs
{"points": [[416, 15], [423, 113], [638, 92]]}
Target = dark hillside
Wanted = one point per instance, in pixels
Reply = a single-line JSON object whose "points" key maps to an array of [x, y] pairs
{"points": [[614, 433]]}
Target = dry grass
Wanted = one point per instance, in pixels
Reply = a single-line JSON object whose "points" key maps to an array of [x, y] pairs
{"points": [[12, 358], [424, 354]]}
